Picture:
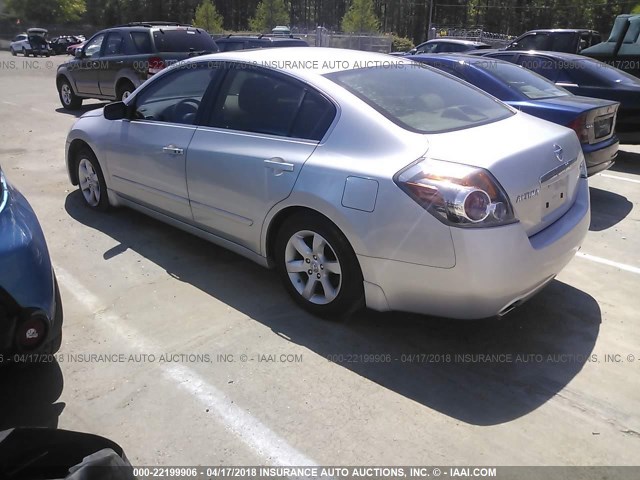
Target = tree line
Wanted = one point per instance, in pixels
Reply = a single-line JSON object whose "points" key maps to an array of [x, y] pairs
{"points": [[405, 18]]}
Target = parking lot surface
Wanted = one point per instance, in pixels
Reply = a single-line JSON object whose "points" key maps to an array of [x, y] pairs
{"points": [[187, 354]]}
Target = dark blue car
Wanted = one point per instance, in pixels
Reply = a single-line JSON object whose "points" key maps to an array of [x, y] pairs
{"points": [[587, 77], [592, 119], [30, 305]]}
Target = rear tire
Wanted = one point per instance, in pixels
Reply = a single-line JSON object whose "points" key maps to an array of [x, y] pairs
{"points": [[318, 267], [91, 182], [24, 52], [68, 98], [13, 52]]}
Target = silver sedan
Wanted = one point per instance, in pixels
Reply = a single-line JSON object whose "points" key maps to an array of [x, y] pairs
{"points": [[364, 179]]}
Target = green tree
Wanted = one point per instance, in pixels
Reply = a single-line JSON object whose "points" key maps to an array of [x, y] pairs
{"points": [[636, 9], [361, 18], [47, 12], [207, 17], [269, 14]]}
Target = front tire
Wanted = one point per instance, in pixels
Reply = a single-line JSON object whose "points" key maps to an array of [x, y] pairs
{"points": [[68, 98], [13, 52], [91, 183], [318, 267]]}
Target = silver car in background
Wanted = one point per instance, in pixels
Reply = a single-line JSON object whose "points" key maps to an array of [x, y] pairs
{"points": [[362, 178]]}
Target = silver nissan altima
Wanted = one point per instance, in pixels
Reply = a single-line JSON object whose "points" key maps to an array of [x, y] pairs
{"points": [[364, 179]]}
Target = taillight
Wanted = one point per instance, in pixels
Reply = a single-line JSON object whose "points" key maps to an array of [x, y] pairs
{"points": [[155, 65], [456, 194], [579, 125]]}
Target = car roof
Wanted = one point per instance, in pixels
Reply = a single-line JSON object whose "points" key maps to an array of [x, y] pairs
{"points": [[561, 30], [266, 38], [308, 62], [558, 55], [456, 58], [454, 40]]}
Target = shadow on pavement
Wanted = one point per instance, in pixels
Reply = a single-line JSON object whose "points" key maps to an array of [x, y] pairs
{"points": [[627, 162], [82, 110], [29, 395], [607, 209], [435, 362]]}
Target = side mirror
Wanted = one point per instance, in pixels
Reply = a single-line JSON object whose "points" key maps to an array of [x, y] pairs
{"points": [[413, 51], [78, 53], [115, 111]]}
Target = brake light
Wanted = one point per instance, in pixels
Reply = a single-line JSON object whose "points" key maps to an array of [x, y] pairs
{"points": [[456, 194], [579, 125], [155, 65]]}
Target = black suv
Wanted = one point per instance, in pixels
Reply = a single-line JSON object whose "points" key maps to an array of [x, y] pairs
{"points": [[243, 42], [568, 40], [115, 61]]}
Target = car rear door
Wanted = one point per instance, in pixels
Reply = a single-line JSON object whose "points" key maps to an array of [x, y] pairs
{"points": [[147, 154], [247, 155]]}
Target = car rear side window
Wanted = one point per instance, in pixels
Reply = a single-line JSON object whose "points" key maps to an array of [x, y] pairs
{"points": [[142, 42], [421, 99], [252, 100], [184, 40]]}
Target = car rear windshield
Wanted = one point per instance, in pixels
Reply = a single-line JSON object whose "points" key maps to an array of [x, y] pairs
{"points": [[525, 81], [184, 40], [421, 99]]}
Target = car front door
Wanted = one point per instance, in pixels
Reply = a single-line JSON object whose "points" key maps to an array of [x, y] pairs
{"points": [[111, 62], [247, 156], [85, 70], [147, 154]]}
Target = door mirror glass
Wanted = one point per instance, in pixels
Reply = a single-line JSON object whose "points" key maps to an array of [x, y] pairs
{"points": [[115, 111], [78, 53]]}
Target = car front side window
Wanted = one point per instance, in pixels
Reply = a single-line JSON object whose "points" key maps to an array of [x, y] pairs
{"points": [[175, 97], [93, 47]]}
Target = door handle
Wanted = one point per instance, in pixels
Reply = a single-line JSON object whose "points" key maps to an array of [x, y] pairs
{"points": [[278, 164], [120, 62], [173, 150]]}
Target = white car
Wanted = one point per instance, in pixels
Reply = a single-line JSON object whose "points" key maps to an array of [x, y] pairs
{"points": [[362, 178], [31, 43]]}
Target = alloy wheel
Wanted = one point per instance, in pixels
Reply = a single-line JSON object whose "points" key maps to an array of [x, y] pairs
{"points": [[313, 267]]}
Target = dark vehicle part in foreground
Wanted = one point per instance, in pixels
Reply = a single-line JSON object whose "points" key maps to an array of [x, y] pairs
{"points": [[30, 305], [43, 453]]}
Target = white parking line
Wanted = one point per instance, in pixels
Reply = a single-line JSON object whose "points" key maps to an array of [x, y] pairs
{"points": [[611, 263], [257, 436], [615, 177], [10, 103]]}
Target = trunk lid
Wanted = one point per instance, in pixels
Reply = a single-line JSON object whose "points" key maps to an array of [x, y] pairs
{"points": [[536, 162]]}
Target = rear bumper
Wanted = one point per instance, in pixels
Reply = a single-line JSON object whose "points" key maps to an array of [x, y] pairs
{"points": [[496, 269], [600, 156]]}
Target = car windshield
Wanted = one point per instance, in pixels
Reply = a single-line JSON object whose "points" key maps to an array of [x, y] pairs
{"points": [[601, 74], [525, 81], [421, 99], [184, 40]]}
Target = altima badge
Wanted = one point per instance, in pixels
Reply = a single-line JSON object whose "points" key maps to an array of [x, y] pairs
{"points": [[527, 195], [557, 149]]}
